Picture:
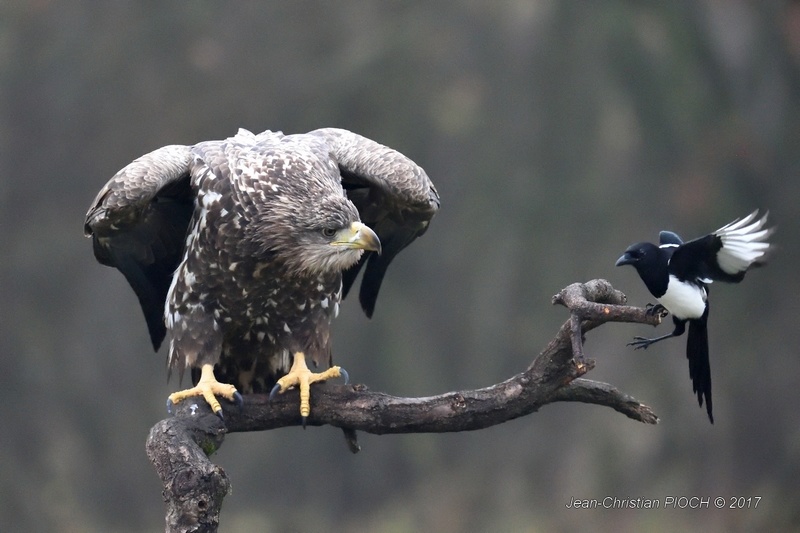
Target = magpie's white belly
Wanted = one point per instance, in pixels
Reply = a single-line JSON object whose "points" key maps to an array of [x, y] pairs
{"points": [[684, 300]]}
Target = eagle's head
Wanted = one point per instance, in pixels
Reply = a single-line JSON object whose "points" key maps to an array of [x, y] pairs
{"points": [[330, 237], [311, 228]]}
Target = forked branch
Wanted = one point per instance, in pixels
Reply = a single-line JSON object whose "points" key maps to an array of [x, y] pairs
{"points": [[194, 487]]}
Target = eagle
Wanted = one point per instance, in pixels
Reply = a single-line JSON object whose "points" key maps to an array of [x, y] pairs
{"points": [[241, 250]]}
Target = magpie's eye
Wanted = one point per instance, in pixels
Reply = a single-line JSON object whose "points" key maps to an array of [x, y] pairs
{"points": [[328, 232]]}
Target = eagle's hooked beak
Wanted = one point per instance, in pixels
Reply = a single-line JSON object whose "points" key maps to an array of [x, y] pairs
{"points": [[359, 236]]}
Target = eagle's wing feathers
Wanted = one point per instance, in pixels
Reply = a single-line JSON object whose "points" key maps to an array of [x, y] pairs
{"points": [[138, 224], [393, 195]]}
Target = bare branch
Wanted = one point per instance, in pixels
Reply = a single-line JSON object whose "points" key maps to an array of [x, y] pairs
{"points": [[599, 393], [194, 487], [176, 445]]}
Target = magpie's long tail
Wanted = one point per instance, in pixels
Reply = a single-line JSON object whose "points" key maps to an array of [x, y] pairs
{"points": [[699, 367]]}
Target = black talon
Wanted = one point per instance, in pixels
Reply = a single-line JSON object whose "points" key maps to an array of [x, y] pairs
{"points": [[219, 414], [238, 400], [345, 375], [169, 406], [304, 419], [274, 391]]}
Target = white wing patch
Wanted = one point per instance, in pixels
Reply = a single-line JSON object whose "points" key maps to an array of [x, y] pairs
{"points": [[742, 243]]}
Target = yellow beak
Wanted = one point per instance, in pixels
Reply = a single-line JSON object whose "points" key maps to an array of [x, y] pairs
{"points": [[359, 236]]}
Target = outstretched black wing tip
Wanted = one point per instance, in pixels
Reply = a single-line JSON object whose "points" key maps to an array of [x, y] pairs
{"points": [[150, 288], [157, 333], [371, 283], [138, 224], [368, 306], [370, 286], [349, 276], [377, 265], [394, 197]]}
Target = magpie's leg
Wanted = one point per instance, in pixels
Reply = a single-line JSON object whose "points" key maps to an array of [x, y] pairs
{"points": [[644, 342]]}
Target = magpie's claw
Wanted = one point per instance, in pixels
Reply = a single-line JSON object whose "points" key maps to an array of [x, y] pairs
{"points": [[640, 343], [656, 309]]}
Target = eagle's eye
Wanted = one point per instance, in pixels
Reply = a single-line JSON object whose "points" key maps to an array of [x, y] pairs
{"points": [[328, 232]]}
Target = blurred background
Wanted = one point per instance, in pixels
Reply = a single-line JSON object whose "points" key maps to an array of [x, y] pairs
{"points": [[557, 133]]}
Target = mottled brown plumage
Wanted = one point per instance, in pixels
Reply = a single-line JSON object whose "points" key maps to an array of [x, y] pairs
{"points": [[235, 247]]}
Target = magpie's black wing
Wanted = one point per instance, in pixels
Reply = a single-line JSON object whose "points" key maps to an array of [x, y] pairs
{"points": [[393, 195], [138, 224], [724, 255]]}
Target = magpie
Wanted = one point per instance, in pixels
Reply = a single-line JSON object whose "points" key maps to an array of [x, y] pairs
{"points": [[678, 273]]}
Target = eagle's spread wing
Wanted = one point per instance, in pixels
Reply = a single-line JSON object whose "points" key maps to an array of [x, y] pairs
{"points": [[393, 195], [138, 224], [241, 247]]}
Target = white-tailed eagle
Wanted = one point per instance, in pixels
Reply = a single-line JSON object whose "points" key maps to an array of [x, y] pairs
{"points": [[241, 249]]}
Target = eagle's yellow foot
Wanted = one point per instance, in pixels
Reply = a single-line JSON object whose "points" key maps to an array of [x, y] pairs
{"points": [[300, 376], [207, 387]]}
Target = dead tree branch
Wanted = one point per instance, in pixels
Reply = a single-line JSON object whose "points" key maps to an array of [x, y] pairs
{"points": [[194, 487]]}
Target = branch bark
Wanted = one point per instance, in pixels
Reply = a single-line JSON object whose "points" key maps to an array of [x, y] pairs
{"points": [[194, 487]]}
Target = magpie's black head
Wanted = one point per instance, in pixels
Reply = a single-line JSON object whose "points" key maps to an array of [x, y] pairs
{"points": [[639, 255]]}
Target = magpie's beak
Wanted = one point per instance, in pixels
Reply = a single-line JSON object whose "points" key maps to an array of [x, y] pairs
{"points": [[359, 236], [625, 259]]}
